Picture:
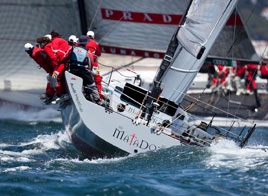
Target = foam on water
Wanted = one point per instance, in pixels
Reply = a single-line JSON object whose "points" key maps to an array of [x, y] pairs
{"points": [[15, 169], [49, 141], [226, 153], [38, 145]]}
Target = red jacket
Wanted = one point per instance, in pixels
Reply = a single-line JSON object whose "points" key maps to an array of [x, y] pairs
{"points": [[61, 48], [240, 70], [41, 60], [58, 51], [252, 67], [51, 55], [93, 47], [264, 70]]}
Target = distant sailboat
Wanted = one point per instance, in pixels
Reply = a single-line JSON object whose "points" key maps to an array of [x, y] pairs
{"points": [[137, 120]]}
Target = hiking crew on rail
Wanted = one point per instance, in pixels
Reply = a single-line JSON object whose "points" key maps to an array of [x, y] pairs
{"points": [[55, 55]]}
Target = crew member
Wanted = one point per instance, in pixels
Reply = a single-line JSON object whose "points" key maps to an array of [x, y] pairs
{"points": [[264, 73], [239, 75], [94, 48], [251, 73], [79, 64], [221, 74], [58, 50], [72, 40], [98, 80], [36, 54]]}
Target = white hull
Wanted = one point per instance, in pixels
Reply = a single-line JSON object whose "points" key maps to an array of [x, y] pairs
{"points": [[107, 133]]}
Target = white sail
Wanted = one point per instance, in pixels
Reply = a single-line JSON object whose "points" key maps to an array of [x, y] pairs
{"points": [[204, 22]]}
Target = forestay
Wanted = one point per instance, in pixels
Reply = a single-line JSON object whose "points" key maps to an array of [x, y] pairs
{"points": [[204, 22]]}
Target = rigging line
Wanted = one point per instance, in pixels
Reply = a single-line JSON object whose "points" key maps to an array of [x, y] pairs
{"points": [[96, 12], [186, 109], [214, 107], [250, 82], [112, 29], [263, 54], [140, 109], [123, 66], [246, 22], [105, 65], [123, 74], [230, 70]]}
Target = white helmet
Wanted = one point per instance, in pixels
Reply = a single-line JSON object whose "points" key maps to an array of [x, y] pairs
{"points": [[91, 34], [48, 36], [73, 38], [28, 46]]}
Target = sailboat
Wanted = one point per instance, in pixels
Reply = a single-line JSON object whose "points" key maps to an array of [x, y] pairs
{"points": [[137, 120]]}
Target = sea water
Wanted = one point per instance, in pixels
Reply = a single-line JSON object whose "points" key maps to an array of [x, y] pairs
{"points": [[37, 158]]}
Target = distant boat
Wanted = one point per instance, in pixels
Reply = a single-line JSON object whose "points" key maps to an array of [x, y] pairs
{"points": [[137, 120]]}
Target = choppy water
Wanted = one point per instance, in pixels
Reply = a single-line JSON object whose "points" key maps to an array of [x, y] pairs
{"points": [[37, 158]]}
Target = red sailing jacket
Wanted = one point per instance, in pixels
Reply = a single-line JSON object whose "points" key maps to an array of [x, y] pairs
{"points": [[58, 50], [264, 70], [41, 60], [93, 47], [240, 70], [252, 67], [61, 48], [53, 58]]}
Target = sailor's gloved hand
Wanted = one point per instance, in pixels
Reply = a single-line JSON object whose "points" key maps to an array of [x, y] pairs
{"points": [[55, 74]]}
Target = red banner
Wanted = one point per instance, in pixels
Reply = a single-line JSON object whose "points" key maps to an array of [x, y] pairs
{"points": [[152, 18], [139, 17], [131, 52]]}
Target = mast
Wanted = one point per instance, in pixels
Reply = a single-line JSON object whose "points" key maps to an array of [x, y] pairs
{"points": [[165, 64], [83, 16]]}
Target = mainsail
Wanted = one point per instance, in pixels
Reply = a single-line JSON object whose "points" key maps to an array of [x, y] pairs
{"points": [[195, 37]]}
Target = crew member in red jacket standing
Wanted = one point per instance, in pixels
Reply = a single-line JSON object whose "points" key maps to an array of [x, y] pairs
{"points": [[36, 54], [251, 73], [58, 50], [94, 48]]}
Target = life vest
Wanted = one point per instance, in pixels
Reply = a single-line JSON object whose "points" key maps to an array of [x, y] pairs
{"points": [[79, 57]]}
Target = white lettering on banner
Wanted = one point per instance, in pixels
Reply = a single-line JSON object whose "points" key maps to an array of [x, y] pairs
{"points": [[127, 16], [103, 49], [167, 19], [156, 55], [122, 51], [113, 50], [108, 13], [133, 53], [147, 17]]}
